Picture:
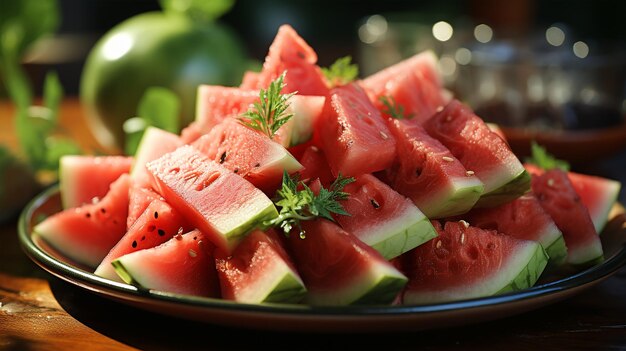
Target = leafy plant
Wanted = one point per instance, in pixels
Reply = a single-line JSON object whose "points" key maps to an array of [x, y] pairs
{"points": [[542, 159], [341, 72]]}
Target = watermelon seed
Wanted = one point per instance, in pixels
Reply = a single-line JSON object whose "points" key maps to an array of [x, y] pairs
{"points": [[462, 239], [223, 157], [374, 203], [439, 109], [491, 246], [300, 54], [156, 215], [464, 224], [143, 238], [236, 170], [88, 215], [134, 244], [207, 180], [383, 135], [315, 149], [469, 173], [195, 238], [439, 244], [257, 165], [103, 210], [161, 232], [448, 159], [550, 182], [192, 253], [418, 172], [95, 200], [151, 228]]}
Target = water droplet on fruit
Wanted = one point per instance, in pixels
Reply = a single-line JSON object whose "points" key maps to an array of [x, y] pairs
{"points": [[192, 253], [302, 234]]}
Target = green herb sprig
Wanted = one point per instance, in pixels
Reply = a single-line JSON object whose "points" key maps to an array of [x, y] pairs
{"points": [[302, 204], [341, 72], [270, 113], [393, 109], [542, 159]]}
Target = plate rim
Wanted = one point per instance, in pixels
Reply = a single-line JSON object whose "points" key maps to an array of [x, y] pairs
{"points": [[89, 281]]}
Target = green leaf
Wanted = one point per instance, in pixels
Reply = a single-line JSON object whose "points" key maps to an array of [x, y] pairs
{"points": [[270, 112], [52, 96], [56, 148], [393, 109], [341, 72], [198, 10], [542, 159]]}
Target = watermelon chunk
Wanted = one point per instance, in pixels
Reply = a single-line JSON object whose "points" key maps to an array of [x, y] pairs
{"points": [[382, 218], [466, 262], [481, 151], [259, 270], [215, 200], [558, 197], [249, 80], [523, 218], [157, 224], [339, 269], [182, 265], [315, 166], [413, 83], [139, 198], [289, 52], [354, 135], [427, 173], [77, 183], [87, 233], [248, 153], [154, 143]]}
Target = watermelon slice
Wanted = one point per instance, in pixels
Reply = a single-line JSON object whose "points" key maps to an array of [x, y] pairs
{"points": [[354, 135], [259, 270], [86, 234], [154, 143], [413, 83], [466, 262], [139, 198], [77, 183], [157, 224], [523, 218], [215, 200], [182, 265], [289, 52], [315, 166], [339, 269], [481, 151], [558, 197], [428, 174], [249, 80], [382, 218], [248, 153]]}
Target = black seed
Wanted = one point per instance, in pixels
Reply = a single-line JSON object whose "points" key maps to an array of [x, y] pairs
{"points": [[300, 54], [418, 172], [375, 203], [223, 157], [103, 210], [134, 244], [195, 238], [151, 228], [143, 238], [88, 215], [236, 170], [161, 232], [257, 165], [156, 215]]}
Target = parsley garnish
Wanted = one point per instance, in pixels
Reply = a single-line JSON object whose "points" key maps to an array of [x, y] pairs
{"points": [[393, 109], [304, 205], [542, 159], [341, 72], [270, 113]]}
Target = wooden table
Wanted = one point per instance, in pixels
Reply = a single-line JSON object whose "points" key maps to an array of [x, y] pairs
{"points": [[40, 312]]}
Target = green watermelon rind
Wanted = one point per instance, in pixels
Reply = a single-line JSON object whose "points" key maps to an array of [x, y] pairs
{"points": [[557, 250], [600, 216], [124, 273], [301, 125], [380, 284], [514, 187], [520, 271], [289, 289], [401, 234], [454, 200], [236, 234], [588, 255]]}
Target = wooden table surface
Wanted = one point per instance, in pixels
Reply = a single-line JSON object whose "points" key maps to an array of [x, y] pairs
{"points": [[41, 312]]}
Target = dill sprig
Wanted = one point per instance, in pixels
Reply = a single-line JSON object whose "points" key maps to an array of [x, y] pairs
{"points": [[393, 109], [341, 72]]}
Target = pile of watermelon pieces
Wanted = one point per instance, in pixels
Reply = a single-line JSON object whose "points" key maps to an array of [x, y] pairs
{"points": [[440, 209]]}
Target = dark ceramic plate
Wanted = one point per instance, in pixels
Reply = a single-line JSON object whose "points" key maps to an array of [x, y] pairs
{"points": [[326, 319]]}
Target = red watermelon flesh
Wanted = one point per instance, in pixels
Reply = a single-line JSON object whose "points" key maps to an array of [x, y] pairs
{"points": [[598, 194], [154, 143], [481, 151], [182, 265], [466, 262], [382, 218], [522, 218], [315, 166], [354, 135], [87, 233], [250, 80], [413, 83], [427, 173], [259, 270], [157, 223], [248, 153], [339, 269], [77, 183], [215, 200], [560, 200], [215, 103], [139, 198], [289, 52]]}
